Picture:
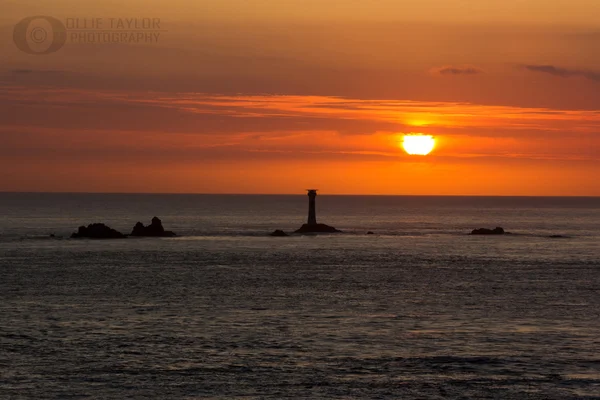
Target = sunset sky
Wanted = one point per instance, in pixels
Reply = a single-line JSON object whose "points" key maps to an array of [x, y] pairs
{"points": [[274, 96]]}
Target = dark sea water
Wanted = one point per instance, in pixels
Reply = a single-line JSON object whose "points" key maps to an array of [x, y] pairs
{"points": [[420, 310]]}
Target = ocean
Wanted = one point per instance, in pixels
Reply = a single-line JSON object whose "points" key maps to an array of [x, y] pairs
{"points": [[418, 310]]}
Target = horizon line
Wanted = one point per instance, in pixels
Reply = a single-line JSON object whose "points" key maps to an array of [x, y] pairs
{"points": [[298, 194]]}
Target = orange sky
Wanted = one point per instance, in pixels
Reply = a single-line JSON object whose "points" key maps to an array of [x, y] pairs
{"points": [[276, 96]]}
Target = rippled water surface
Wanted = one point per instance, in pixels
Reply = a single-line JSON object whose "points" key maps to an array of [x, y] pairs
{"points": [[418, 310]]}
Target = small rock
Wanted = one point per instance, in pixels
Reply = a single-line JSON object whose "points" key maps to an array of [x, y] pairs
{"points": [[97, 231], [370, 233], [155, 229], [279, 233], [485, 231], [317, 228]]}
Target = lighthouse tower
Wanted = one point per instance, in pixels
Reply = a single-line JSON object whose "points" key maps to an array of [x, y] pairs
{"points": [[312, 226], [312, 208]]}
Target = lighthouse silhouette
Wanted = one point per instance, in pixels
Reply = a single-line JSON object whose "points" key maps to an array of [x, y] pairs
{"points": [[312, 226], [312, 207]]}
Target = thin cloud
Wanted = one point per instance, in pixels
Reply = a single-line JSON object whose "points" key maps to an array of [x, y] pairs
{"points": [[456, 70], [24, 71], [259, 113], [564, 72]]}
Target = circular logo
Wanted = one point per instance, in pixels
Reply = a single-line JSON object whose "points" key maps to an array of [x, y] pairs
{"points": [[40, 35]]}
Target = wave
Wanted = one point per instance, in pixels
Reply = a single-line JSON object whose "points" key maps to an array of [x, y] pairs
{"points": [[190, 235]]}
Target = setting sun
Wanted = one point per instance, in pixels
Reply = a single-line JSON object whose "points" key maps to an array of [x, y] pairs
{"points": [[420, 145]]}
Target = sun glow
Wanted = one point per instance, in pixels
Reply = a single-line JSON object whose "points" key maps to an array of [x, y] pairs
{"points": [[419, 145]]}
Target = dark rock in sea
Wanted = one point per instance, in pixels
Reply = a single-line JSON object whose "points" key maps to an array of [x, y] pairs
{"points": [[155, 229], [558, 237], [317, 228], [97, 231], [370, 233], [484, 231], [279, 233]]}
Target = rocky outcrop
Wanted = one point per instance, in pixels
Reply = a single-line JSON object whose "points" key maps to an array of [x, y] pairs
{"points": [[317, 228], [97, 231], [279, 233], [485, 231], [155, 229]]}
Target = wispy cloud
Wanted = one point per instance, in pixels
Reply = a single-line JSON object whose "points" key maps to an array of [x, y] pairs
{"points": [[27, 71], [456, 70], [299, 113], [564, 72], [198, 125]]}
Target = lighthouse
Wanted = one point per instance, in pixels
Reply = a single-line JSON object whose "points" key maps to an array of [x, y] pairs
{"points": [[312, 226], [312, 208]]}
